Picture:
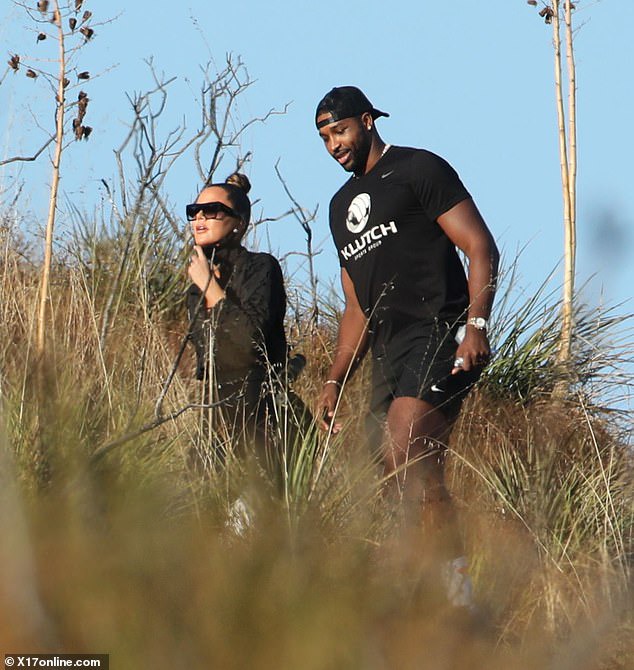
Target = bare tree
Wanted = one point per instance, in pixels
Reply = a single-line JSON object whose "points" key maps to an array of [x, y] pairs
{"points": [[556, 13], [569, 169], [70, 28], [219, 94]]}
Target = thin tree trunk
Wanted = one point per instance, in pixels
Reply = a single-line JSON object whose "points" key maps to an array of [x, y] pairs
{"points": [[50, 221], [567, 307], [572, 136]]}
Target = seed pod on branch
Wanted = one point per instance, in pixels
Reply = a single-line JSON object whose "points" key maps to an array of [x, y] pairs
{"points": [[83, 75], [547, 14], [41, 36], [78, 4], [532, 2], [72, 22], [82, 105], [86, 16], [81, 132], [31, 74], [42, 5], [14, 62], [87, 32]]}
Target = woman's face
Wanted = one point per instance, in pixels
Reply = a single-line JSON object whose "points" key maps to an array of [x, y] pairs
{"points": [[213, 227]]}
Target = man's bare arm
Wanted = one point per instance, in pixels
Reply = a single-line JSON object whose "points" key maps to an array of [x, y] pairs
{"points": [[351, 346], [466, 228]]}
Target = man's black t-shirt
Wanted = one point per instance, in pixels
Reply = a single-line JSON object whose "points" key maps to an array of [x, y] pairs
{"points": [[404, 268]]}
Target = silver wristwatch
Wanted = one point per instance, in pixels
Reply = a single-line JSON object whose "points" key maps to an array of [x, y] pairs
{"points": [[478, 322]]}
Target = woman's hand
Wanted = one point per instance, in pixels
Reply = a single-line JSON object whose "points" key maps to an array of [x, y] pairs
{"points": [[198, 269], [202, 276]]}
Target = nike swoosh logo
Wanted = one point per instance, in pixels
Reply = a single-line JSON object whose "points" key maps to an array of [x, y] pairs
{"points": [[387, 174], [436, 389]]}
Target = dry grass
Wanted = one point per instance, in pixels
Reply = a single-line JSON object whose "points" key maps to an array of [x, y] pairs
{"points": [[131, 555]]}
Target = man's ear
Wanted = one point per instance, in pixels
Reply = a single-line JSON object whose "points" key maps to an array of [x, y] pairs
{"points": [[367, 120]]}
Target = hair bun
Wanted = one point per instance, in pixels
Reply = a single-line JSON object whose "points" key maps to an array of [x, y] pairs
{"points": [[239, 180]]}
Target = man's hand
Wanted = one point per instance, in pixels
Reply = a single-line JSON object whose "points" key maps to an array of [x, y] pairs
{"points": [[325, 409], [474, 351]]}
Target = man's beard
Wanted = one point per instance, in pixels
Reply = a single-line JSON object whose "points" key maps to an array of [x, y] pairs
{"points": [[358, 159]]}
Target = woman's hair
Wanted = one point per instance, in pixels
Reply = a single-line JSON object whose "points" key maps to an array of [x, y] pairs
{"points": [[237, 185]]}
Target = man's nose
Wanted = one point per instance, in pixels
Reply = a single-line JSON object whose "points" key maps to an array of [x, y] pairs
{"points": [[333, 145]]}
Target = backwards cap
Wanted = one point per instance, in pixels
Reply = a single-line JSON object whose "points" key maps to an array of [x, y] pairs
{"points": [[342, 102]]}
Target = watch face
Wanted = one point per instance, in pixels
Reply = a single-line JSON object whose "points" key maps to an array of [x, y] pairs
{"points": [[478, 322]]}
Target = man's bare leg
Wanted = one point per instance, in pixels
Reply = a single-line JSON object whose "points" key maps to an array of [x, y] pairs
{"points": [[414, 459], [414, 451], [414, 456]]}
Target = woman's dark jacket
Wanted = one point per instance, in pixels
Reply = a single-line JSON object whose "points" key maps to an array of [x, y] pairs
{"points": [[246, 329]]}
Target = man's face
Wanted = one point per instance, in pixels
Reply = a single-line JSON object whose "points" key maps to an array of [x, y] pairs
{"points": [[348, 141]]}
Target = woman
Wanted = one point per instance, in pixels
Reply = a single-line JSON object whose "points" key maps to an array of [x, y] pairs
{"points": [[236, 305]]}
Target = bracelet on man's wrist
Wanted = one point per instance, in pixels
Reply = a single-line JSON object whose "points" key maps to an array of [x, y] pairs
{"points": [[333, 381]]}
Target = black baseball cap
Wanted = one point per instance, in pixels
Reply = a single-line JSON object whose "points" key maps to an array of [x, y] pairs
{"points": [[342, 102]]}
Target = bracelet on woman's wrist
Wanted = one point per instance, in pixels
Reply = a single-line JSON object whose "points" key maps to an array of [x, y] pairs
{"points": [[333, 381]]}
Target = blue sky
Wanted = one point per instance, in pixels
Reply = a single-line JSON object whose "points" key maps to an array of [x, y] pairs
{"points": [[472, 81]]}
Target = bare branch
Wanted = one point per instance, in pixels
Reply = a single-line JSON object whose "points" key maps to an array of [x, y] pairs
{"points": [[305, 219], [27, 159], [176, 228], [218, 99], [270, 219], [109, 446]]}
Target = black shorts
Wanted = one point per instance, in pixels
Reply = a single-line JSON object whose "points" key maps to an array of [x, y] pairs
{"points": [[417, 364]]}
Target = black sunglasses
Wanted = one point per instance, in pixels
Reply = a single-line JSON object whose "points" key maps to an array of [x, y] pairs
{"points": [[210, 210]]}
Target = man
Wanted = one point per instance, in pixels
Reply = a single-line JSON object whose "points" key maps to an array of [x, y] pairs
{"points": [[396, 224]]}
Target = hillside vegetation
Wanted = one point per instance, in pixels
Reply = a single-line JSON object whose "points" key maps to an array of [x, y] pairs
{"points": [[130, 548]]}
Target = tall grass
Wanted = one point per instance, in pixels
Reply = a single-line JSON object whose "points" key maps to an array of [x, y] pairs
{"points": [[133, 554]]}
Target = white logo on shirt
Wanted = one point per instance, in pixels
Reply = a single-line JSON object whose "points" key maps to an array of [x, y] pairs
{"points": [[358, 213], [369, 240], [387, 174]]}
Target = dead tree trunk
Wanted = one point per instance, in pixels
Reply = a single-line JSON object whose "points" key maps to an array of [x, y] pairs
{"points": [[52, 208], [568, 162]]}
